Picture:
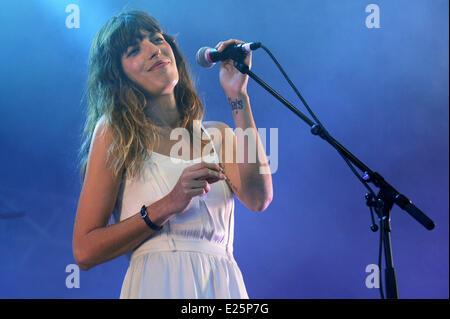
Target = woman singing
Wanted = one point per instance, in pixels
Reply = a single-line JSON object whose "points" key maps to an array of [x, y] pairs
{"points": [[174, 214]]}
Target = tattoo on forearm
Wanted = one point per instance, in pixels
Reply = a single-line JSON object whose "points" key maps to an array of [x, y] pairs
{"points": [[236, 105]]}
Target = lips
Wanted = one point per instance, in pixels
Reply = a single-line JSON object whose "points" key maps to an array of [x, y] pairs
{"points": [[159, 64]]}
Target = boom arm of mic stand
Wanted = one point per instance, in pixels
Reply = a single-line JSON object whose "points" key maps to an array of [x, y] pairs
{"points": [[401, 200]]}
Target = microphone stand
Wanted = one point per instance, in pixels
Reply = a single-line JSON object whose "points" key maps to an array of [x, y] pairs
{"points": [[387, 195]]}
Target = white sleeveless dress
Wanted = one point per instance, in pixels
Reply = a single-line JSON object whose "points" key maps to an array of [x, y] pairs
{"points": [[192, 256]]}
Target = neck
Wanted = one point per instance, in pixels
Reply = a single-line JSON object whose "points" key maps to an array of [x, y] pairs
{"points": [[163, 111]]}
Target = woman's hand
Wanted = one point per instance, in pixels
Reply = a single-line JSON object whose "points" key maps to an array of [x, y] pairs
{"points": [[194, 181], [233, 82]]}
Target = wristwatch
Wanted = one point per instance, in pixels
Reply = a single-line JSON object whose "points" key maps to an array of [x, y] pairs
{"points": [[144, 216]]}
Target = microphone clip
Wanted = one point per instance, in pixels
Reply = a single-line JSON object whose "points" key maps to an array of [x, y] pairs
{"points": [[241, 66]]}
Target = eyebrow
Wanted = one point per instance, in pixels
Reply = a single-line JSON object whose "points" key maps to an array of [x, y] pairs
{"points": [[147, 34]]}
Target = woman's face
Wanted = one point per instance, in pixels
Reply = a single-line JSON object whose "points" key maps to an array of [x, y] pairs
{"points": [[151, 65]]}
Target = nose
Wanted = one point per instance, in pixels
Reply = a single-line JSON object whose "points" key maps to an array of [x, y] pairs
{"points": [[151, 49]]}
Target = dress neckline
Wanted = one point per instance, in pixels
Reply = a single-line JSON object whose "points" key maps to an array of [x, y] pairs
{"points": [[180, 159], [176, 159]]}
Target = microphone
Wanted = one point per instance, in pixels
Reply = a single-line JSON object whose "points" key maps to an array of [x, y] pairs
{"points": [[207, 57]]}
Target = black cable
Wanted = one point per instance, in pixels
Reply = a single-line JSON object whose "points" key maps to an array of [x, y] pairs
{"points": [[292, 85], [314, 116], [350, 165], [356, 173]]}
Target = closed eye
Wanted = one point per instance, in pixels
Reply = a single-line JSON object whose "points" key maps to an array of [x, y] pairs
{"points": [[158, 40], [133, 51]]}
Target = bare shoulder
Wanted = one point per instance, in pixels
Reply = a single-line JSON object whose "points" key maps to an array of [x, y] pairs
{"points": [[100, 186], [102, 132], [98, 165]]}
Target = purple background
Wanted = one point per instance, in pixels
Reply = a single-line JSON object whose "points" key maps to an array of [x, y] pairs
{"points": [[383, 93]]}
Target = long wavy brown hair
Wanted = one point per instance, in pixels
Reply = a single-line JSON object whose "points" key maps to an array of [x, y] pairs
{"points": [[112, 94]]}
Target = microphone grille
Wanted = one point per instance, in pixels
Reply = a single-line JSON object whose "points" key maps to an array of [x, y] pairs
{"points": [[202, 60]]}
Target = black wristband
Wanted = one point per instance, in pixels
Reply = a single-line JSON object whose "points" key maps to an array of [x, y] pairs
{"points": [[147, 220]]}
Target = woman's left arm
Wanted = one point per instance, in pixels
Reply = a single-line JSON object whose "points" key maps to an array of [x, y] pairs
{"points": [[248, 174]]}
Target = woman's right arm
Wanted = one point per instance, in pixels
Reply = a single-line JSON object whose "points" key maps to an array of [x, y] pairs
{"points": [[93, 241]]}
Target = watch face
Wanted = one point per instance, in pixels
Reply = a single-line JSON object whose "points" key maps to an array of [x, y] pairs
{"points": [[143, 212]]}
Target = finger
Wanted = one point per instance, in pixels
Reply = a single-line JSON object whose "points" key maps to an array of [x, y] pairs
{"points": [[205, 173], [215, 180], [201, 165], [222, 45], [197, 184], [198, 192]]}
